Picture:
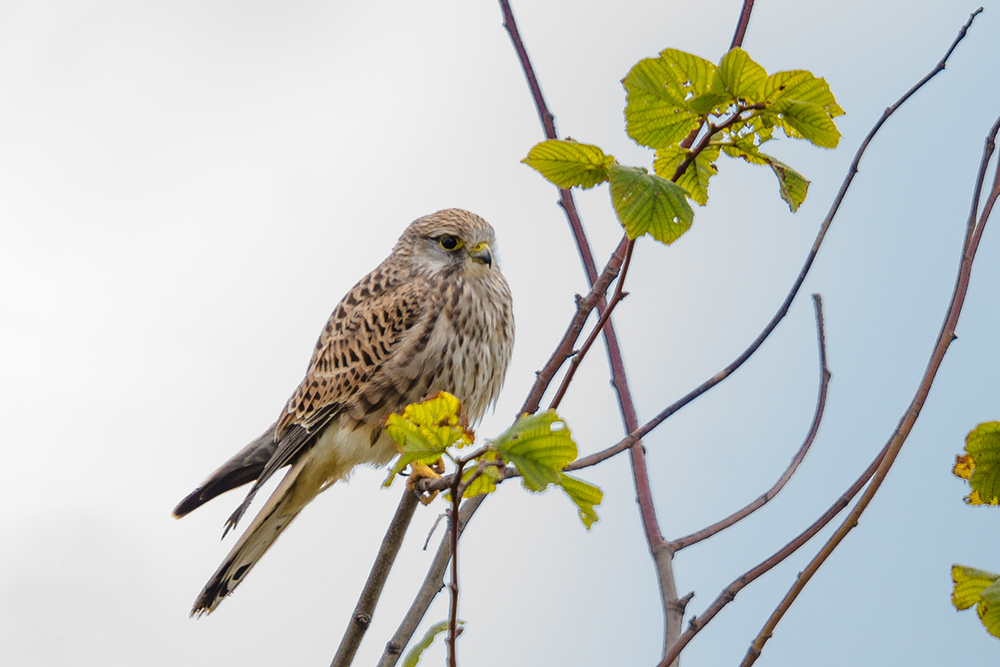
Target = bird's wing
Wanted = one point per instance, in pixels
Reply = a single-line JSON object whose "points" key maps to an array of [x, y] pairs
{"points": [[368, 325]]}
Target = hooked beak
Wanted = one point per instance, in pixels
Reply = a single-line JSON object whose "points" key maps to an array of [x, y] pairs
{"points": [[481, 253]]}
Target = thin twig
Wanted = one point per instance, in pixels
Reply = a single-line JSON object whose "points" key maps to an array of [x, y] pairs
{"points": [[629, 440], [431, 586], [577, 359], [741, 26], [824, 383], [896, 440], [453, 531], [744, 580], [365, 609], [903, 430]]}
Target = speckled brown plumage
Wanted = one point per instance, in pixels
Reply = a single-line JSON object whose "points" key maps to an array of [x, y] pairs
{"points": [[429, 318]]}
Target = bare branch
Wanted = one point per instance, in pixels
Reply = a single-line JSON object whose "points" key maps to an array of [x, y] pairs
{"points": [[365, 609], [741, 25], [902, 431], [432, 585], [729, 594], [616, 298], [824, 382]]}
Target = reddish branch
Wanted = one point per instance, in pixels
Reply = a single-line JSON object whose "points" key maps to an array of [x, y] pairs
{"points": [[902, 432]]}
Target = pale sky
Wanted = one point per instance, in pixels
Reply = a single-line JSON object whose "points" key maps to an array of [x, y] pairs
{"points": [[188, 188]]}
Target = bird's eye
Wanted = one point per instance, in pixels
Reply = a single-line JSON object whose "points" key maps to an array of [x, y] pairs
{"points": [[450, 243]]}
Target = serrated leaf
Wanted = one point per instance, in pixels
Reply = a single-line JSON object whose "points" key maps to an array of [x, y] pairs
{"points": [[567, 163], [980, 588], [585, 495], [802, 86], [793, 186], [739, 76], [426, 430], [695, 178], [751, 155], [709, 103], [982, 464], [539, 446], [413, 657], [649, 204], [805, 120], [657, 91]]}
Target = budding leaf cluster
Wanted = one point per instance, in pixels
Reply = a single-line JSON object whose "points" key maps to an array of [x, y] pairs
{"points": [[538, 446], [690, 111]]}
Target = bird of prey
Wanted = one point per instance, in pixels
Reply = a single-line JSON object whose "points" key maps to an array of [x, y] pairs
{"points": [[436, 315]]}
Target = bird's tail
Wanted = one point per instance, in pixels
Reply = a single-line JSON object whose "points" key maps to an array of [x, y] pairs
{"points": [[279, 511]]}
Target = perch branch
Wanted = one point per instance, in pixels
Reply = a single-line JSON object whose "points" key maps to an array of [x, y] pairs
{"points": [[365, 609]]}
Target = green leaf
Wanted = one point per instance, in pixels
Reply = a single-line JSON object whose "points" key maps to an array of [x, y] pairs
{"points": [[980, 588], [695, 178], [801, 86], [538, 446], [750, 154], [658, 92], [413, 657], [710, 103], [426, 430], [649, 204], [805, 120], [568, 163], [739, 76], [981, 464], [585, 495], [793, 186]]}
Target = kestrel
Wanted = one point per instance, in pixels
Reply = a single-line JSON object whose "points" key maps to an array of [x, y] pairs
{"points": [[436, 315]]}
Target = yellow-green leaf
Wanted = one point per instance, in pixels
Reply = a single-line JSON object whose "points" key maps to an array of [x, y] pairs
{"points": [[426, 430], [802, 86], [980, 588], [657, 91], [649, 204], [739, 76], [413, 657], [805, 120], [793, 186], [538, 446], [751, 155], [981, 465], [695, 178], [585, 495], [569, 163]]}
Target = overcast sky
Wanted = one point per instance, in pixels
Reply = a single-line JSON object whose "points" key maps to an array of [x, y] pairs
{"points": [[188, 188]]}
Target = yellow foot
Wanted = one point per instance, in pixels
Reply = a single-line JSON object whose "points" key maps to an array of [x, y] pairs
{"points": [[420, 471]]}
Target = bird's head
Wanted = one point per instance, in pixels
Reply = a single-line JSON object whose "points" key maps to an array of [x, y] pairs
{"points": [[451, 241]]}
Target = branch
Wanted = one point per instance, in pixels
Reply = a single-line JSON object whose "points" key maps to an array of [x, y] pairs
{"points": [[824, 382], [902, 432], [432, 585], [629, 440], [729, 594], [616, 298], [365, 609], [741, 25]]}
